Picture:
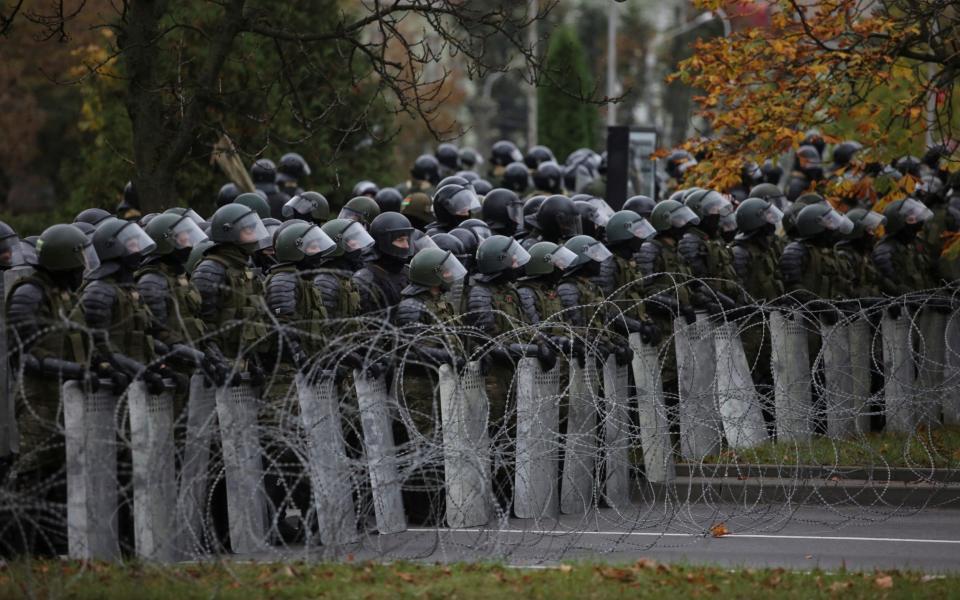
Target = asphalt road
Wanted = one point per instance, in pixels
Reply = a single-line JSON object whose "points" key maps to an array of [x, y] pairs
{"points": [[830, 538]]}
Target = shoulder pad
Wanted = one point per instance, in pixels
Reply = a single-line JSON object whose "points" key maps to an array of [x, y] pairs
{"points": [[409, 312], [648, 256], [480, 307], [792, 262], [97, 302], [528, 304], [281, 293], [741, 260], [692, 248]]}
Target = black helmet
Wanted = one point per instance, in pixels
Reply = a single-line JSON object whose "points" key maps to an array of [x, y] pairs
{"points": [[263, 170], [516, 177], [576, 177], [468, 240], [548, 177], [446, 241], [594, 211], [130, 197], [227, 194], [470, 176], [66, 248], [389, 200], [86, 228], [426, 168], [558, 219], [482, 187], [642, 205], [713, 209], [478, 227], [503, 153], [531, 206], [814, 139], [454, 203], [809, 163], [678, 162], [772, 172], [470, 158], [448, 155], [93, 216], [312, 206], [457, 179], [537, 155], [908, 165], [293, 165], [365, 188], [392, 231], [844, 153], [503, 211]]}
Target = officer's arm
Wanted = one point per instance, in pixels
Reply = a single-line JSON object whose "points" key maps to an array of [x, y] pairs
{"points": [[570, 300], [793, 264], [882, 257], [693, 251], [281, 297], [369, 293], [155, 292], [741, 262], [209, 278], [97, 302], [528, 305], [480, 309], [23, 309], [329, 286]]}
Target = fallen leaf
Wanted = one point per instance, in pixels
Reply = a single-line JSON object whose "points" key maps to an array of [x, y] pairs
{"points": [[615, 573], [566, 568], [408, 577], [839, 586], [719, 530], [287, 571], [646, 563], [884, 582]]}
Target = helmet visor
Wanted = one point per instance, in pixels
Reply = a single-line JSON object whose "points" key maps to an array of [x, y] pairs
{"points": [[421, 241], [563, 257], [135, 240], [871, 221], [914, 211], [598, 252], [90, 259], [772, 215], [186, 233], [517, 255], [251, 230], [463, 203], [355, 238], [296, 206], [570, 225], [515, 212], [834, 221], [193, 216], [715, 204], [451, 270], [641, 228], [683, 216], [481, 231], [10, 252], [602, 213], [351, 215], [315, 242]]}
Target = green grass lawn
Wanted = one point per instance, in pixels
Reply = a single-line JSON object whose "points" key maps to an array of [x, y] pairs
{"points": [[644, 579], [923, 449]]}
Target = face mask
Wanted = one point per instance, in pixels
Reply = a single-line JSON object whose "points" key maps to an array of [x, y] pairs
{"points": [[131, 262]]}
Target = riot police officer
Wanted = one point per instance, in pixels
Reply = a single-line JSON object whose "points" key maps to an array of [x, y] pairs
{"points": [[309, 206], [903, 268], [264, 174], [547, 179], [502, 153], [503, 211], [703, 249], [807, 172], [453, 203], [291, 173], [389, 200], [642, 205], [516, 177], [626, 232], [423, 176], [362, 209], [418, 208], [558, 219], [855, 250], [382, 278]]}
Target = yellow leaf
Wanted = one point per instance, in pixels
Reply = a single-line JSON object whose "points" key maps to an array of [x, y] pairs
{"points": [[719, 530]]}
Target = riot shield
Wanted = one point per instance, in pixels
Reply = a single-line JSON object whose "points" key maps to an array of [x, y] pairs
{"points": [[194, 462], [330, 481], [580, 440], [652, 413], [738, 400], [464, 412], [92, 488], [8, 419], [243, 465], [837, 382], [700, 424], [930, 357], [376, 403], [860, 339], [898, 377], [951, 388], [616, 433], [535, 493], [793, 399], [154, 476]]}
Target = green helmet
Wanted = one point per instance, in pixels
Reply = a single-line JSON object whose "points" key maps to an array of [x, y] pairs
{"points": [[433, 267], [769, 192], [240, 225], [710, 203], [810, 198], [417, 206], [671, 214], [66, 248], [499, 253], [254, 201], [546, 257], [363, 209], [188, 212], [865, 222], [821, 218], [174, 231], [348, 235], [299, 239], [901, 213], [308, 205], [754, 214], [116, 238], [626, 225], [196, 255], [586, 248]]}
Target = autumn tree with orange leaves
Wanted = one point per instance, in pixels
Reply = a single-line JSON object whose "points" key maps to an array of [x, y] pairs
{"points": [[881, 71]]}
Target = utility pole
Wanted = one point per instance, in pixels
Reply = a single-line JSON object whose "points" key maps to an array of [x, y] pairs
{"points": [[613, 18], [534, 9]]}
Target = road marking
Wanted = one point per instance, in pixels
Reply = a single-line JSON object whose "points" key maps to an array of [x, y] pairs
{"points": [[692, 535]]}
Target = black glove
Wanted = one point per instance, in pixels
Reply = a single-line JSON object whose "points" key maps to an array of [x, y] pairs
{"points": [[435, 356], [663, 306], [257, 376], [154, 381], [623, 354], [546, 357], [130, 367], [689, 315], [894, 311], [118, 379], [649, 334], [486, 363]]}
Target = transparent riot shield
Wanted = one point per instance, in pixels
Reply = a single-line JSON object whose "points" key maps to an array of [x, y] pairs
{"points": [[738, 400], [90, 426], [860, 338], [154, 475], [535, 493], [700, 424], [793, 398], [616, 433], [464, 412], [898, 375], [652, 415], [951, 387], [837, 382], [377, 403], [580, 441], [8, 419], [243, 463], [329, 467], [195, 460], [930, 351]]}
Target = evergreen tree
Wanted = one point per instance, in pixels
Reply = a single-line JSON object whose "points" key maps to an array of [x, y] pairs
{"points": [[566, 119]]}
